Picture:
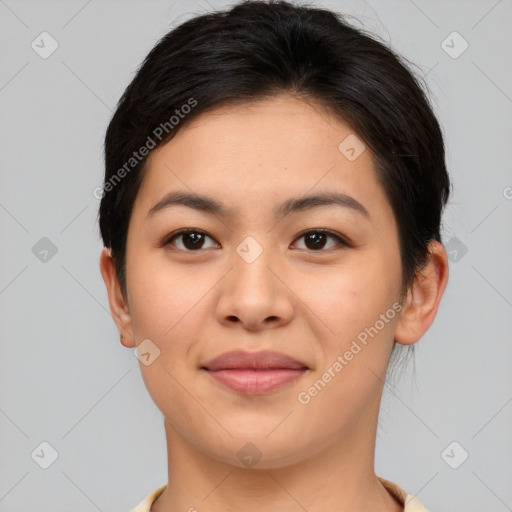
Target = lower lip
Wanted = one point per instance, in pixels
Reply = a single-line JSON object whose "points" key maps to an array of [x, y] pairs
{"points": [[253, 382]]}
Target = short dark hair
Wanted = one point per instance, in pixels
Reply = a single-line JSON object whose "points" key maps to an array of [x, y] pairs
{"points": [[260, 49]]}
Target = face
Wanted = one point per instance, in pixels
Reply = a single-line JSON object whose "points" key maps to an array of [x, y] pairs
{"points": [[317, 280]]}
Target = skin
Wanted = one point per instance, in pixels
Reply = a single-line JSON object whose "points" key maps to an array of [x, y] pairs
{"points": [[195, 304]]}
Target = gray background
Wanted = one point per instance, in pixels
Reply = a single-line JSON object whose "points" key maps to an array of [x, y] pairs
{"points": [[64, 377]]}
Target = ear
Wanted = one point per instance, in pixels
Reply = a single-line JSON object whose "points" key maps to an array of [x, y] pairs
{"points": [[118, 303], [423, 297]]}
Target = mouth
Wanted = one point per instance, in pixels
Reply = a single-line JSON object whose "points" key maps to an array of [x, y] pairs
{"points": [[254, 373]]}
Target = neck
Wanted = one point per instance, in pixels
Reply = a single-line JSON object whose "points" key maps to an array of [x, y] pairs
{"points": [[338, 477]]}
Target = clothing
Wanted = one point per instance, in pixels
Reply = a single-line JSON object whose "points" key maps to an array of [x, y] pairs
{"points": [[410, 502]]}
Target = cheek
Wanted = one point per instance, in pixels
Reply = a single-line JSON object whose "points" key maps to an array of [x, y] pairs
{"points": [[349, 303], [342, 294], [164, 308], [159, 298]]}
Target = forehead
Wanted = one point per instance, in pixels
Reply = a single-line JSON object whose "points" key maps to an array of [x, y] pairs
{"points": [[252, 154]]}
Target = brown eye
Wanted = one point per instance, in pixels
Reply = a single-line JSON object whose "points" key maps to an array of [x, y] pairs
{"points": [[191, 239], [316, 240], [195, 239]]}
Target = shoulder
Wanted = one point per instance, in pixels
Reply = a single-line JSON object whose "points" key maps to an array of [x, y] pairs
{"points": [[409, 501], [145, 504]]}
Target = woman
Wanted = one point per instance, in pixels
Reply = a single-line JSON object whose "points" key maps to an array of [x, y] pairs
{"points": [[274, 186]]}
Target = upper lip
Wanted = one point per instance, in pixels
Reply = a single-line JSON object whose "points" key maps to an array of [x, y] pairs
{"points": [[263, 360]]}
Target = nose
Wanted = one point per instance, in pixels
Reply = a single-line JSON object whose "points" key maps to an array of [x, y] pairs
{"points": [[255, 295]]}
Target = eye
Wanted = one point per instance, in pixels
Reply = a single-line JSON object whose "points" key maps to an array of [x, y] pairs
{"points": [[315, 239], [192, 239]]}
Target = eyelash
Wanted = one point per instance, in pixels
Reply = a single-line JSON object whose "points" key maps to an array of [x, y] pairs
{"points": [[342, 241]]}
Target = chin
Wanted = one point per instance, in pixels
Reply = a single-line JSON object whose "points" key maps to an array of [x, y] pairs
{"points": [[259, 451]]}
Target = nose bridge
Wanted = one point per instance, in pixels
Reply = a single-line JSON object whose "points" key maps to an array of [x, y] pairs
{"points": [[251, 269], [252, 293]]}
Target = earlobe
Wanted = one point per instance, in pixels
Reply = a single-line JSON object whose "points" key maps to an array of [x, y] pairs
{"points": [[117, 301], [423, 297]]}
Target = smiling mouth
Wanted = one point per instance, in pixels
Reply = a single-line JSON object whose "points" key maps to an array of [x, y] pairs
{"points": [[254, 373]]}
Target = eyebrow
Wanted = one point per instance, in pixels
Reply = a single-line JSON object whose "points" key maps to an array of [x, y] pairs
{"points": [[211, 206]]}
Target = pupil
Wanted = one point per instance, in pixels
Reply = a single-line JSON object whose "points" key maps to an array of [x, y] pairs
{"points": [[317, 239], [196, 239]]}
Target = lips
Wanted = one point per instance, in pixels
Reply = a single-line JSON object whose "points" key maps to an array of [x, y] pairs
{"points": [[254, 372], [263, 360]]}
